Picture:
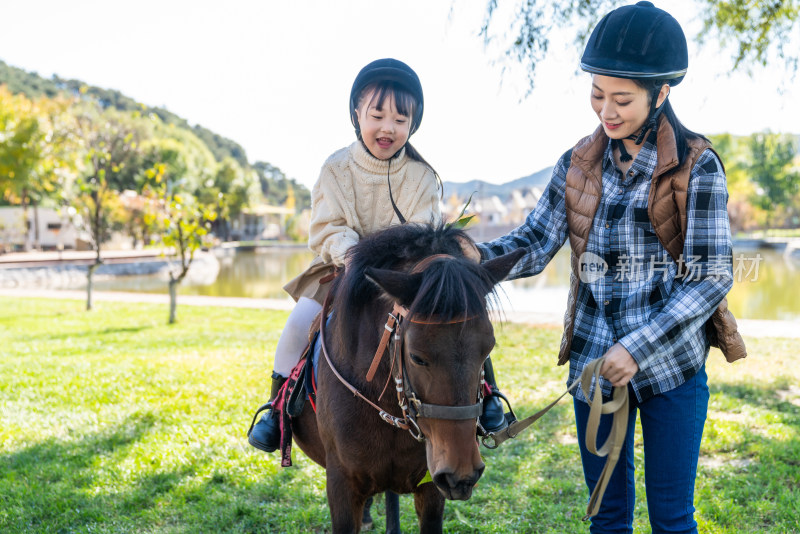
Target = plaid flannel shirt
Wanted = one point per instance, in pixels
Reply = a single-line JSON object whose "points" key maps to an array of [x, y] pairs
{"points": [[638, 301]]}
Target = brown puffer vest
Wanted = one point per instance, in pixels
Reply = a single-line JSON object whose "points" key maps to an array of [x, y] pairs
{"points": [[667, 212]]}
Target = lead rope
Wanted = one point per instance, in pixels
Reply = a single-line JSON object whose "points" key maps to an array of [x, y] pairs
{"points": [[616, 437], [613, 445]]}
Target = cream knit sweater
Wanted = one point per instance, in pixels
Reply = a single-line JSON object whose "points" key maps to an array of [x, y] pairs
{"points": [[351, 199]]}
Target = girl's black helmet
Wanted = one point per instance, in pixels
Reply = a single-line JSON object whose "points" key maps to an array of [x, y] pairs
{"points": [[638, 42], [390, 70]]}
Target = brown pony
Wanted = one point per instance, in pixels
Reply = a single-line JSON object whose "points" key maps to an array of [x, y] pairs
{"points": [[440, 348]]}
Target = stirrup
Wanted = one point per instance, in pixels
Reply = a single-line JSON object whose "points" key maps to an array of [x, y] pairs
{"points": [[511, 416], [267, 406]]}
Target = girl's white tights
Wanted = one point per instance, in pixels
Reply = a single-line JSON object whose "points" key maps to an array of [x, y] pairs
{"points": [[294, 337]]}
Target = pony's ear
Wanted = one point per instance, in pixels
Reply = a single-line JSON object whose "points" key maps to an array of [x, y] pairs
{"points": [[499, 267], [400, 286]]}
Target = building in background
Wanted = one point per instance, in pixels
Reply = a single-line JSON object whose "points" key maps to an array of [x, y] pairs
{"points": [[18, 229]]}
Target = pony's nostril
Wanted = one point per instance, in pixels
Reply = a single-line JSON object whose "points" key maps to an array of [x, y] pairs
{"points": [[445, 479]]}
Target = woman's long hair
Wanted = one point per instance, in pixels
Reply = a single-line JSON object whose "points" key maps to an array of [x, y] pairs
{"points": [[682, 134]]}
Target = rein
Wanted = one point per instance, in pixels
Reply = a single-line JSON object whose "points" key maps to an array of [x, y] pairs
{"points": [[410, 404], [618, 405]]}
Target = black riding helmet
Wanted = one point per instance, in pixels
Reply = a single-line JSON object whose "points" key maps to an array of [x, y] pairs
{"points": [[388, 70], [638, 42]]}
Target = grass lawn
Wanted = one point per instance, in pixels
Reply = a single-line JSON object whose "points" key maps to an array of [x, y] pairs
{"points": [[113, 421]]}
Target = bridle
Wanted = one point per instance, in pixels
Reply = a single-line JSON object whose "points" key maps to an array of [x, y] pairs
{"points": [[391, 341]]}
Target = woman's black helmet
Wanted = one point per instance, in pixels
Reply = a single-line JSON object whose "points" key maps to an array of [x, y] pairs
{"points": [[637, 42], [391, 70]]}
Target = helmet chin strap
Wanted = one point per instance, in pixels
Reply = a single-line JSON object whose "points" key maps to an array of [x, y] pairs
{"points": [[650, 125], [652, 122], [388, 175], [389, 182]]}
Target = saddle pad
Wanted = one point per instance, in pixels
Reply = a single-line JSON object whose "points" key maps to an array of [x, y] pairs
{"points": [[306, 385], [315, 350]]}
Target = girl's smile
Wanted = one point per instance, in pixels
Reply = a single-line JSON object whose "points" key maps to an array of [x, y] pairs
{"points": [[384, 130]]}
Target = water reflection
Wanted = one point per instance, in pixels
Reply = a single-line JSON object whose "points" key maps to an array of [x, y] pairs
{"points": [[760, 292], [257, 274]]}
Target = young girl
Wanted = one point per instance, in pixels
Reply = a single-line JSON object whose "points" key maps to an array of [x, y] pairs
{"points": [[644, 197], [377, 181]]}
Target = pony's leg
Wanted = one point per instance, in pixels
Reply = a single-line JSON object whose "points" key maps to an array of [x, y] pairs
{"points": [[429, 504], [392, 512], [345, 504], [366, 517]]}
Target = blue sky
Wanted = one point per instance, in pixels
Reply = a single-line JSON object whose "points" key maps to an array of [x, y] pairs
{"points": [[275, 76]]}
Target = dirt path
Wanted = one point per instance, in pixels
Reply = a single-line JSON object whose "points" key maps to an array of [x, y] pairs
{"points": [[748, 327]]}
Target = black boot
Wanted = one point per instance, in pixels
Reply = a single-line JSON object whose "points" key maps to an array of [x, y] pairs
{"points": [[493, 419], [266, 434]]}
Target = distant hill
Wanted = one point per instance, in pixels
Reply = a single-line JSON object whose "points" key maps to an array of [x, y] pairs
{"points": [[274, 184], [33, 85], [538, 179]]}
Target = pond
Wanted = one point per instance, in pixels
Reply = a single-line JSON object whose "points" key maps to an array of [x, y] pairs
{"points": [[765, 282]]}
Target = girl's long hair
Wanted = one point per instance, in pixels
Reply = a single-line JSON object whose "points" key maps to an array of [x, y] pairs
{"points": [[406, 105], [682, 134]]}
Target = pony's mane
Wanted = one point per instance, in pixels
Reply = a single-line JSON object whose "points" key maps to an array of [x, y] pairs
{"points": [[450, 287]]}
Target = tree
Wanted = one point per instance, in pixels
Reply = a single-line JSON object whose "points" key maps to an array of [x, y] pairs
{"points": [[759, 31], [275, 186], [771, 169], [735, 154], [110, 142], [232, 189], [182, 223], [33, 152], [188, 165], [19, 128]]}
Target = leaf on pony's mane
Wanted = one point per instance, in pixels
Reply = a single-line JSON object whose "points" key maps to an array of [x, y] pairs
{"points": [[462, 221], [426, 478]]}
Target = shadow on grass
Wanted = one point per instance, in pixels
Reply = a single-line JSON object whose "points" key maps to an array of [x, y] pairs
{"points": [[47, 487], [93, 333], [70, 485]]}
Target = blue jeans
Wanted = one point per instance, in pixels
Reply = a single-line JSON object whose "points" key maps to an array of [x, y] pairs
{"points": [[672, 427]]}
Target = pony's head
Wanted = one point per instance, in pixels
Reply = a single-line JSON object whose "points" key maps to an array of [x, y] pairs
{"points": [[446, 335]]}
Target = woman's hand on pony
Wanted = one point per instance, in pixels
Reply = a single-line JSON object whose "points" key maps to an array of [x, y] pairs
{"points": [[469, 249]]}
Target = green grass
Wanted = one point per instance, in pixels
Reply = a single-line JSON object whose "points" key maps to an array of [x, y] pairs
{"points": [[113, 421]]}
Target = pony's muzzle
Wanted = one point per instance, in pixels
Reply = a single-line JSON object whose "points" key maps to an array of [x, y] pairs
{"points": [[457, 488]]}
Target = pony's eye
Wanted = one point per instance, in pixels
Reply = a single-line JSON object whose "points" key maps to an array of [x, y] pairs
{"points": [[417, 360]]}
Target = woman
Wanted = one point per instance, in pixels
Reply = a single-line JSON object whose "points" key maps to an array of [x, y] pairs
{"points": [[643, 202]]}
